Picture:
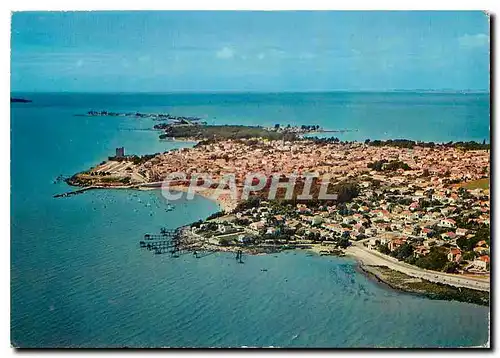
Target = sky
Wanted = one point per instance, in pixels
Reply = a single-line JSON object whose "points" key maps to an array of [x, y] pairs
{"points": [[249, 51]]}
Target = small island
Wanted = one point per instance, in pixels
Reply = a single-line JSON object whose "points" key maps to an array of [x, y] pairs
{"points": [[19, 100]]}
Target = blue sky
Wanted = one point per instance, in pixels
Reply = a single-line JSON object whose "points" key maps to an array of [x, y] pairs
{"points": [[249, 51]]}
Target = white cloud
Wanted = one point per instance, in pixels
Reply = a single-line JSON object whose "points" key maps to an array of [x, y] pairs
{"points": [[79, 63], [261, 56], [225, 53], [474, 41]]}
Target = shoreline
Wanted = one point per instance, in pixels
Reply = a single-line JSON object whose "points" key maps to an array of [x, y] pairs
{"points": [[400, 282], [392, 279], [370, 258]]}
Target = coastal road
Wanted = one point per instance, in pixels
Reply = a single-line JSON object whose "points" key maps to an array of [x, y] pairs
{"points": [[374, 258]]}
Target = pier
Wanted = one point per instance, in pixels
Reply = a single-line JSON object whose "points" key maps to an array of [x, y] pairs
{"points": [[166, 241], [75, 192]]}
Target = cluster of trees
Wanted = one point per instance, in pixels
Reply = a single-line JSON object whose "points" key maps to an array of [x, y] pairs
{"points": [[136, 159], [326, 140], [224, 132], [436, 259], [302, 127], [384, 164], [99, 173], [410, 144], [216, 215], [251, 202], [125, 180], [400, 143], [468, 244], [310, 127]]}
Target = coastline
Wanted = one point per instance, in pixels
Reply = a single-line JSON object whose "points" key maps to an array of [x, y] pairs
{"points": [[371, 258], [401, 282]]}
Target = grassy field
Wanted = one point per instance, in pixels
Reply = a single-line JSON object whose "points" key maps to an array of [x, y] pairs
{"points": [[475, 184]]}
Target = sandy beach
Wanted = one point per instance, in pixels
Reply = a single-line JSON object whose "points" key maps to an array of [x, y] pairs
{"points": [[225, 201]]}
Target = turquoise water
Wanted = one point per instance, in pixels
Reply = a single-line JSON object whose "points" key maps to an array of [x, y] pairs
{"points": [[78, 278]]}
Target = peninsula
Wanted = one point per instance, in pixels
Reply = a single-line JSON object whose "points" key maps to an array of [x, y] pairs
{"points": [[420, 209]]}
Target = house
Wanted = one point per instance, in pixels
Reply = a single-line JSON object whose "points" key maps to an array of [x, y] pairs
{"points": [[481, 262], [303, 209], [414, 206], [448, 235], [450, 223], [258, 225], [272, 230], [429, 243], [359, 228], [426, 232], [394, 244], [279, 218], [421, 251], [482, 243], [481, 250], [222, 228], [455, 255], [408, 230], [461, 232], [373, 242], [333, 227]]}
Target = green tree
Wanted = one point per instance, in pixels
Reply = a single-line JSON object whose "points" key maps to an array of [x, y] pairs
{"points": [[435, 260], [384, 249], [469, 255], [402, 252], [450, 267]]}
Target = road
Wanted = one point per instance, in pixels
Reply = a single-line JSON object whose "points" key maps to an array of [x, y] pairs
{"points": [[372, 257]]}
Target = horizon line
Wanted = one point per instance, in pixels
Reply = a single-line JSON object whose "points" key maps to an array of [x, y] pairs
{"points": [[435, 91]]}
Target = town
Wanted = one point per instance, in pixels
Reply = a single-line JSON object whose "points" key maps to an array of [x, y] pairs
{"points": [[427, 206]]}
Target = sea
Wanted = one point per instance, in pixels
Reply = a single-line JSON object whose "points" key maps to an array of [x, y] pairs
{"points": [[79, 278]]}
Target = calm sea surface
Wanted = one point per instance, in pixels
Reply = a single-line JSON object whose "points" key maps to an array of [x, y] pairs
{"points": [[78, 278]]}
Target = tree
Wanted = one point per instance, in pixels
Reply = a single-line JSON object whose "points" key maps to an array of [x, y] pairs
{"points": [[435, 260], [450, 267], [403, 252], [384, 249], [343, 242], [469, 255]]}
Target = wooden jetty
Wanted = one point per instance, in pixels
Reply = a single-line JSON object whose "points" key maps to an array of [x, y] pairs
{"points": [[166, 241]]}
